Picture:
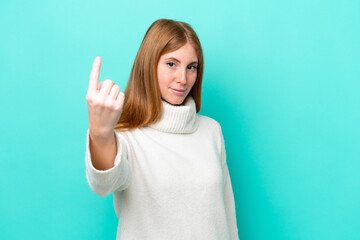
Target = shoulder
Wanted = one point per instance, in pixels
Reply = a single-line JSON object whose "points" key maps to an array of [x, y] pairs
{"points": [[209, 123], [212, 129], [208, 120]]}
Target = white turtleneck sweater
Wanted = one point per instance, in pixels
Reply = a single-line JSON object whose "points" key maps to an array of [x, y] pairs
{"points": [[170, 180]]}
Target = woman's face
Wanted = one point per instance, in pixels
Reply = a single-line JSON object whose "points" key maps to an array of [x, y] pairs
{"points": [[176, 72]]}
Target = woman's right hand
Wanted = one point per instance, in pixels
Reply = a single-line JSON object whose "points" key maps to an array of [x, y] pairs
{"points": [[105, 103]]}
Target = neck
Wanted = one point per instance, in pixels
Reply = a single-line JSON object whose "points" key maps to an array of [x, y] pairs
{"points": [[180, 118], [181, 104]]}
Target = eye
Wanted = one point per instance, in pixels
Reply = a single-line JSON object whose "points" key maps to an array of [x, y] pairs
{"points": [[194, 67], [170, 64]]}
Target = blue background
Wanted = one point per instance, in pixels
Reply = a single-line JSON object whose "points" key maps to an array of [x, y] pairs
{"points": [[281, 77]]}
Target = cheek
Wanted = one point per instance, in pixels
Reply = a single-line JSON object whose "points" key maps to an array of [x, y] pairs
{"points": [[164, 77], [161, 77], [193, 80], [164, 80]]}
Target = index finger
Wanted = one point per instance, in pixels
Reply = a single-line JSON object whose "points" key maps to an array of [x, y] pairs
{"points": [[94, 74]]}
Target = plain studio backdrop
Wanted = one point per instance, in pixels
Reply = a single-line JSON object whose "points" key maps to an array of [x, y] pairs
{"points": [[281, 77]]}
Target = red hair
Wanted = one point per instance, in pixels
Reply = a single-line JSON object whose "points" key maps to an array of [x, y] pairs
{"points": [[142, 104]]}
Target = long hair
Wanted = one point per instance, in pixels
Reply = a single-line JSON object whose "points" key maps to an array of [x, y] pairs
{"points": [[142, 104]]}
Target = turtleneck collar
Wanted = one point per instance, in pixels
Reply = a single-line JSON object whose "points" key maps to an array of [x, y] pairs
{"points": [[177, 119]]}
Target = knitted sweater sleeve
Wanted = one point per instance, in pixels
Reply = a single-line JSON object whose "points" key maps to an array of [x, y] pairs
{"points": [[117, 178], [228, 193]]}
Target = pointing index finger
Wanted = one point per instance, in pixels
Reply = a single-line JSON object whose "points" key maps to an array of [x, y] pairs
{"points": [[94, 74]]}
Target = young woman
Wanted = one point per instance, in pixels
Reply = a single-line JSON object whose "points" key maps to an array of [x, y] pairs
{"points": [[164, 163]]}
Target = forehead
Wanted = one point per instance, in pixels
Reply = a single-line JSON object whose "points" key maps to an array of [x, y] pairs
{"points": [[186, 53]]}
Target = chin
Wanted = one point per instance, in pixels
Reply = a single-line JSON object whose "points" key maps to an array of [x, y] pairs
{"points": [[177, 102]]}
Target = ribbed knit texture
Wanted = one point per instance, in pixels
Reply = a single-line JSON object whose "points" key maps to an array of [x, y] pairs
{"points": [[170, 180], [178, 119]]}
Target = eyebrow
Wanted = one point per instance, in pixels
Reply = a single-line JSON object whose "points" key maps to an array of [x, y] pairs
{"points": [[178, 60]]}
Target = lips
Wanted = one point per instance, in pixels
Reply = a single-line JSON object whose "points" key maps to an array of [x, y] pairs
{"points": [[178, 92]]}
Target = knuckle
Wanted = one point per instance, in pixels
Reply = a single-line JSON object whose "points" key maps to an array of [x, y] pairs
{"points": [[97, 103], [118, 106], [108, 104], [116, 88], [89, 98]]}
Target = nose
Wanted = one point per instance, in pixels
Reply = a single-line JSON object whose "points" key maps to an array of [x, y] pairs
{"points": [[182, 77]]}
